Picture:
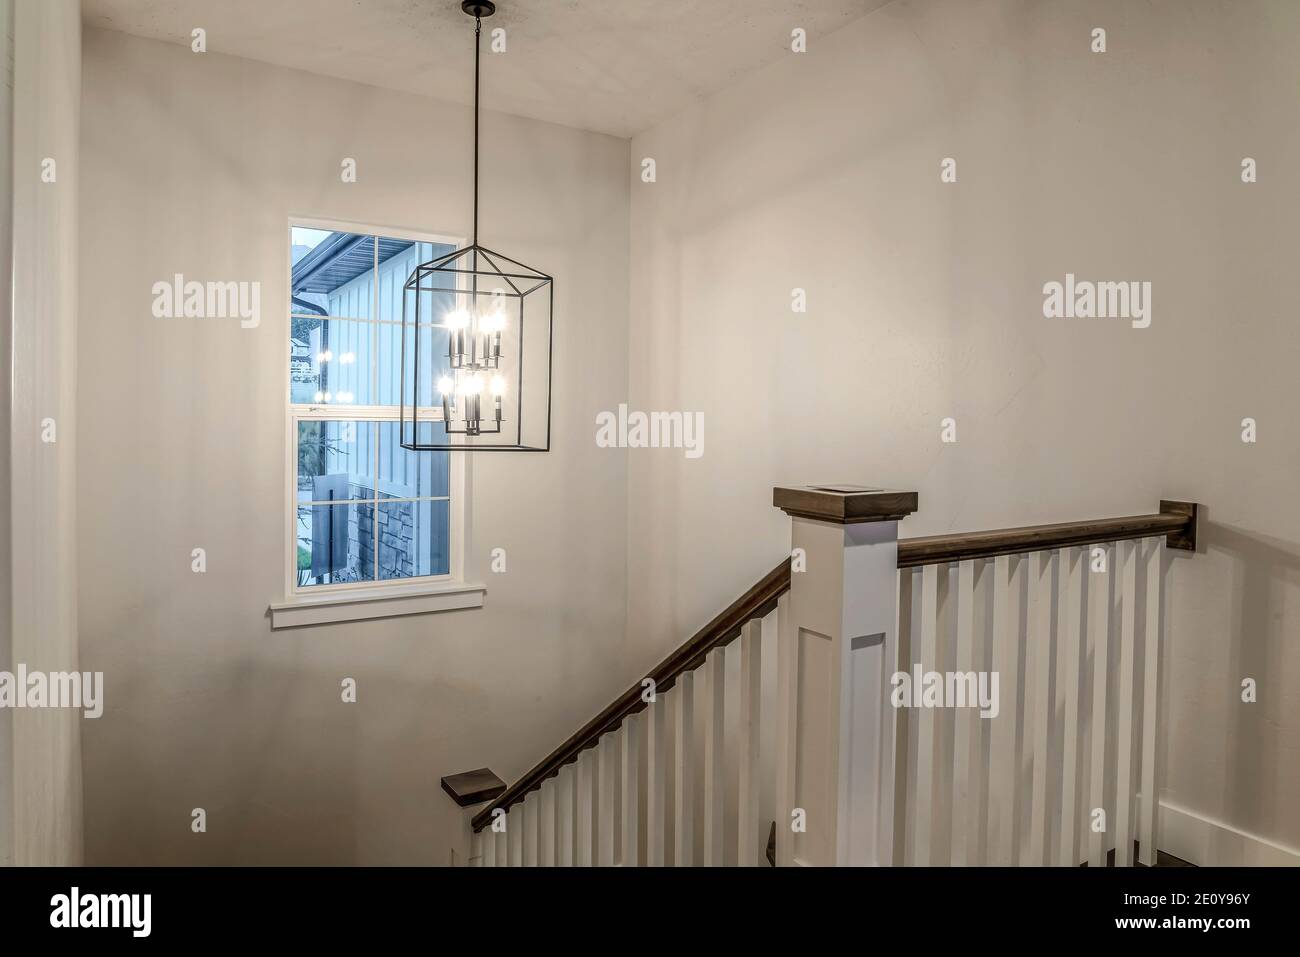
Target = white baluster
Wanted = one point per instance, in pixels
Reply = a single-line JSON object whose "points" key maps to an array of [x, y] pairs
{"points": [[586, 813], [1126, 554], [1099, 609], [546, 823], [1152, 637], [1073, 566], [532, 829], [515, 834], [684, 771], [787, 730], [475, 851], [714, 789], [501, 843], [1039, 634], [656, 781], [487, 852], [631, 790], [903, 810], [1004, 770], [565, 810], [606, 785], [967, 754], [751, 838], [928, 733], [946, 718]]}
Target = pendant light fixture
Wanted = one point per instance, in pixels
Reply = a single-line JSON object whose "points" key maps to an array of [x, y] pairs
{"points": [[466, 361]]}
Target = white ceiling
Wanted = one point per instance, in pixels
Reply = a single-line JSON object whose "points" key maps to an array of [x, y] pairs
{"points": [[614, 66]]}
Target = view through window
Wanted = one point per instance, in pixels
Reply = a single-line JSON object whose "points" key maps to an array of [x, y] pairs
{"points": [[365, 509]]}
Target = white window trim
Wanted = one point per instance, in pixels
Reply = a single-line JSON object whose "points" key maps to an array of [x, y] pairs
{"points": [[384, 602], [354, 601]]}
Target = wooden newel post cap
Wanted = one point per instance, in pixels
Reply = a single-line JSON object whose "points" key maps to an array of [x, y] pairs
{"points": [[845, 504], [473, 787]]}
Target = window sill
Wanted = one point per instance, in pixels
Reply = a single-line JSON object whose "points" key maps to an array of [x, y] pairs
{"points": [[364, 604]]}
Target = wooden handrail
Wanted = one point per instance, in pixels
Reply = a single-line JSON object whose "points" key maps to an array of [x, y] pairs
{"points": [[755, 603], [1175, 520]]}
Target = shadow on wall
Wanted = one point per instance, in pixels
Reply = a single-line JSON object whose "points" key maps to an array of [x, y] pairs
{"points": [[1267, 568]]}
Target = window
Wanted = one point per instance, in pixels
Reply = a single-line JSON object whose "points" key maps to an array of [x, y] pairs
{"points": [[364, 512]]}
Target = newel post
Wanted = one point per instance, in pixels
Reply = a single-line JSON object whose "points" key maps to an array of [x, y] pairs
{"points": [[838, 649], [471, 790]]}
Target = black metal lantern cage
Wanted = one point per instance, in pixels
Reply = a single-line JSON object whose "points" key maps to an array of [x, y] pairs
{"points": [[519, 421]]}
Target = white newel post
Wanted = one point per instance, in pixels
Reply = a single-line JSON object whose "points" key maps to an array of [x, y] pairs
{"points": [[838, 649]]}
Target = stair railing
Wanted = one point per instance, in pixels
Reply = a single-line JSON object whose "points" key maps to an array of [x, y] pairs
{"points": [[855, 766]]}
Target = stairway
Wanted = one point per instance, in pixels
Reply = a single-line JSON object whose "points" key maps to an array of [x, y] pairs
{"points": [[969, 699]]}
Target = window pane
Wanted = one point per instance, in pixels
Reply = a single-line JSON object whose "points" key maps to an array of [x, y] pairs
{"points": [[397, 259], [405, 474], [390, 365], [430, 251], [414, 539], [330, 362], [333, 274], [335, 544], [433, 361], [336, 460]]}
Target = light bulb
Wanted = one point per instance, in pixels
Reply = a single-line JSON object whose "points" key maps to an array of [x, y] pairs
{"points": [[458, 319], [498, 385], [493, 322], [320, 396], [445, 385], [327, 396], [347, 358], [471, 384]]}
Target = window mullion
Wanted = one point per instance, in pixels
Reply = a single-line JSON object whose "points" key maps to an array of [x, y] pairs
{"points": [[374, 394], [383, 413], [374, 518]]}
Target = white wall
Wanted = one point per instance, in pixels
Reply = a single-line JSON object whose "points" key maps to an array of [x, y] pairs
{"points": [[6, 385], [194, 164], [45, 757], [925, 301]]}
